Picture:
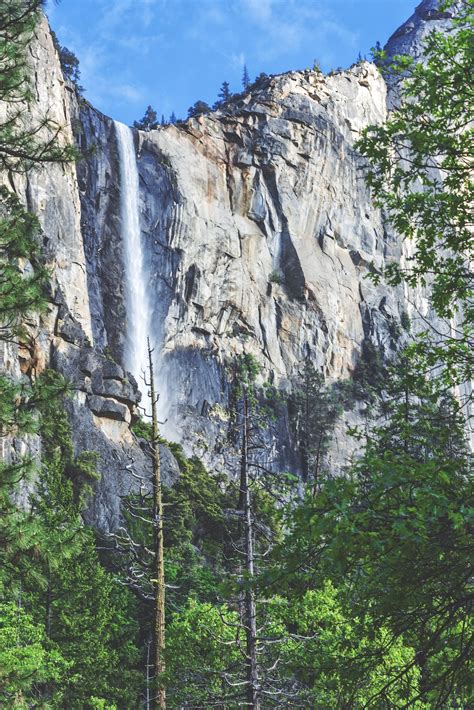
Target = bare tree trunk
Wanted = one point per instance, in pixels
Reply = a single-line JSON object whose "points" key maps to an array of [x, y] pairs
{"points": [[148, 666], [250, 615], [159, 620], [48, 610]]}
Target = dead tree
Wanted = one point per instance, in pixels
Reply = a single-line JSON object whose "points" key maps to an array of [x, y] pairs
{"points": [[250, 615], [140, 542], [159, 612], [252, 538]]}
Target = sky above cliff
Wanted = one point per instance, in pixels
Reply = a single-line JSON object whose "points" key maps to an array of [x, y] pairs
{"points": [[170, 53]]}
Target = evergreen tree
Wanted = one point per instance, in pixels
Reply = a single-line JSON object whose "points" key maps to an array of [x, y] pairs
{"points": [[69, 62], [149, 121], [22, 287], [198, 109], [261, 79], [37, 544], [172, 117], [224, 92], [70, 66], [314, 410], [24, 277], [223, 96], [245, 78]]}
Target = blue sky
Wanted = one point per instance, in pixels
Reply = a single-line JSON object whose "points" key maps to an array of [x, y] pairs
{"points": [[169, 53]]}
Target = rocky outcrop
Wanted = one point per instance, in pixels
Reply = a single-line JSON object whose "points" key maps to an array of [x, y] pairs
{"points": [[408, 38], [259, 233]]}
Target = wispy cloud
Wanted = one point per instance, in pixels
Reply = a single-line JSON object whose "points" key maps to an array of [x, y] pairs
{"points": [[288, 25], [136, 51]]}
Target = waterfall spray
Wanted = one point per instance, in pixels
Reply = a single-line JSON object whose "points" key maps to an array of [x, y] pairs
{"points": [[136, 281]]}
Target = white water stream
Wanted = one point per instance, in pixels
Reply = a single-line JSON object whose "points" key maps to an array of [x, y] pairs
{"points": [[136, 279]]}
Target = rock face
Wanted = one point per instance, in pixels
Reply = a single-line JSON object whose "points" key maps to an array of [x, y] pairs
{"points": [[258, 233], [261, 237], [409, 37]]}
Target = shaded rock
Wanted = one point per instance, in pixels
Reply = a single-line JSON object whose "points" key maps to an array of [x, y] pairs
{"points": [[109, 408]]}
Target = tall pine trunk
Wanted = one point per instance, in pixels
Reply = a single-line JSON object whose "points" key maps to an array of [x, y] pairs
{"points": [[159, 612], [250, 613]]}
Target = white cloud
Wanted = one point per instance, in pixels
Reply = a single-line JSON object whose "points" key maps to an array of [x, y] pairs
{"points": [[238, 60]]}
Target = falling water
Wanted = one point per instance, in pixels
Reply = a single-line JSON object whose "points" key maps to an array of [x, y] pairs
{"points": [[137, 303]]}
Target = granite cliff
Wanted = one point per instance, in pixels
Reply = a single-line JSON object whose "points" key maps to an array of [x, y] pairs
{"points": [[257, 232]]}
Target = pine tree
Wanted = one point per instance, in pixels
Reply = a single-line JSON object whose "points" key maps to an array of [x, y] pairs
{"points": [[23, 286], [172, 117], [149, 121], [314, 409], [245, 78], [69, 62], [198, 109], [32, 664], [246, 374], [240, 625], [159, 613]]}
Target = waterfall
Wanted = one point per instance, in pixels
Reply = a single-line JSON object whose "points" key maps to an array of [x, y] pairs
{"points": [[136, 280]]}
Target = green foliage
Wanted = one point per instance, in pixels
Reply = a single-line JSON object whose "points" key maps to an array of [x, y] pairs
{"points": [[246, 371], [194, 530], [420, 173], [20, 532], [327, 643], [200, 652], [92, 622], [405, 321], [402, 525], [83, 622], [26, 663], [224, 95], [195, 504], [198, 109], [397, 532], [18, 19], [66, 629], [24, 276], [369, 373], [275, 277], [24, 140], [245, 78], [142, 429], [69, 62], [314, 409]]}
